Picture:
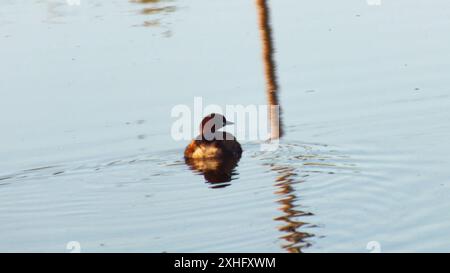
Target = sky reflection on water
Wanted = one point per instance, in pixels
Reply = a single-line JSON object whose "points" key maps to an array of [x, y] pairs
{"points": [[85, 113]]}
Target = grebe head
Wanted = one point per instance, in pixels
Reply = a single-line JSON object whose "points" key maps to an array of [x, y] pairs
{"points": [[213, 122]]}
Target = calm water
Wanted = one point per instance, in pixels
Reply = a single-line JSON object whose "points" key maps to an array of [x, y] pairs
{"points": [[86, 151]]}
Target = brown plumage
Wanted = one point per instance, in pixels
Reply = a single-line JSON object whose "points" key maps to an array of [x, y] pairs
{"points": [[211, 143]]}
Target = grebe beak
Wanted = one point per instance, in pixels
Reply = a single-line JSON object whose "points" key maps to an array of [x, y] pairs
{"points": [[229, 123]]}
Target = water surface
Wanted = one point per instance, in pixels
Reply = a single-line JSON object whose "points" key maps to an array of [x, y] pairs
{"points": [[87, 155]]}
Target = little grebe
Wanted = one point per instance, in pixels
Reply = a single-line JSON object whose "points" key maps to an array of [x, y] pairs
{"points": [[212, 143]]}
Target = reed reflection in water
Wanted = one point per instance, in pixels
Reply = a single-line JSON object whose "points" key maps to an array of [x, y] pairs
{"points": [[286, 175], [151, 8], [285, 181], [269, 69]]}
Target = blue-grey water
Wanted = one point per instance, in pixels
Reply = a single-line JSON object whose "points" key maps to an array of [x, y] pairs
{"points": [[86, 152]]}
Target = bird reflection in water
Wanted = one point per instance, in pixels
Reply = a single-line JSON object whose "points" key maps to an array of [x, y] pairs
{"points": [[214, 153], [218, 172], [294, 238]]}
